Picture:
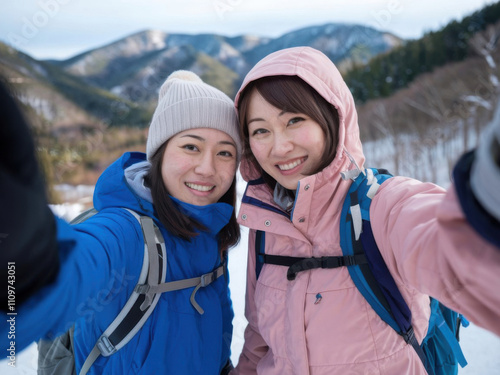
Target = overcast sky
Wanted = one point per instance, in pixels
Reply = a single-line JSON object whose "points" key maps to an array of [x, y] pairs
{"points": [[62, 28]]}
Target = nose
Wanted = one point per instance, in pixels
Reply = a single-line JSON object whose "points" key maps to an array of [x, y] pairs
{"points": [[282, 145], [206, 165]]}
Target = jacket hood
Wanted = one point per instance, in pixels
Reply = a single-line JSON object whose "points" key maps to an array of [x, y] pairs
{"points": [[317, 70], [121, 185]]}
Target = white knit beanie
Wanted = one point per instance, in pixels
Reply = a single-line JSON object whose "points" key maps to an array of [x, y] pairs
{"points": [[186, 102]]}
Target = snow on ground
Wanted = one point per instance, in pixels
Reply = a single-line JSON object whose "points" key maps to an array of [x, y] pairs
{"points": [[481, 348]]}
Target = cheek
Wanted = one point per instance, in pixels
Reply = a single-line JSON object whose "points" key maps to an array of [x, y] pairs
{"points": [[313, 140], [259, 149], [167, 177], [173, 168], [228, 172]]}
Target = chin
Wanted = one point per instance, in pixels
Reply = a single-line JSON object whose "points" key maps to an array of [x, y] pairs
{"points": [[289, 185]]}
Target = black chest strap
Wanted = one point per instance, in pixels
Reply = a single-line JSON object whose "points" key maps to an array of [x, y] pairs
{"points": [[297, 264]]}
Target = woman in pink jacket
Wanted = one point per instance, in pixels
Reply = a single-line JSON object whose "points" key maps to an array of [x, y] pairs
{"points": [[301, 131]]}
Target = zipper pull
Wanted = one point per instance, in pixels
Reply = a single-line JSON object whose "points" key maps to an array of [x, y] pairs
{"points": [[318, 298]]}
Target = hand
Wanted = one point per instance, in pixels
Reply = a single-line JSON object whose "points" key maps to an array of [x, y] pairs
{"points": [[27, 226]]}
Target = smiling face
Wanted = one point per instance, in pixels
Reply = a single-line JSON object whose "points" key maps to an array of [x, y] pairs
{"points": [[288, 146], [199, 165]]}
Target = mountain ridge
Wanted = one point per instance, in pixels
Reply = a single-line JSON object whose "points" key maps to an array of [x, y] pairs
{"points": [[146, 51]]}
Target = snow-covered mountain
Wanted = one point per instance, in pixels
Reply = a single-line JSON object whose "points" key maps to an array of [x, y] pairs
{"points": [[140, 62]]}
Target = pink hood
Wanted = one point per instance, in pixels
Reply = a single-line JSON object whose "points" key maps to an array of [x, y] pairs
{"points": [[320, 73]]}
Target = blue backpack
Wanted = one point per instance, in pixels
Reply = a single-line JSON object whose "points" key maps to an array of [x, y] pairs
{"points": [[440, 350]]}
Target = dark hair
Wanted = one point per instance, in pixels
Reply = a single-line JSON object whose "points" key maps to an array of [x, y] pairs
{"points": [[291, 94], [178, 223]]}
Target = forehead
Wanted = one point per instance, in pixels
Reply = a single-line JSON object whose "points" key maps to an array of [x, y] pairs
{"points": [[257, 104], [204, 135]]}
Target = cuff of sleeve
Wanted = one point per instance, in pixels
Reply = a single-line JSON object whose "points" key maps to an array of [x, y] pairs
{"points": [[485, 175], [482, 220]]}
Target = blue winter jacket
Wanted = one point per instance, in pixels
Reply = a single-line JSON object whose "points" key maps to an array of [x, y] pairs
{"points": [[101, 261]]}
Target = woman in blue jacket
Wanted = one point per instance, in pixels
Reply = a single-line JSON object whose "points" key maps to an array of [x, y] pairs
{"points": [[186, 184]]}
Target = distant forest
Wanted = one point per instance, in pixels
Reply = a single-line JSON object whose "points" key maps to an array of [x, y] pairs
{"points": [[389, 72]]}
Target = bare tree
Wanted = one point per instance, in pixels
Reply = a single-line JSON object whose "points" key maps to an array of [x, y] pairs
{"points": [[486, 94]]}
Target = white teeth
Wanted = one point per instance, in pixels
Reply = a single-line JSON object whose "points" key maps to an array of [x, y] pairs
{"points": [[199, 187], [286, 167]]}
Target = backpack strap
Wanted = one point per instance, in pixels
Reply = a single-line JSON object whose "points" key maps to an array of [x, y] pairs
{"points": [[298, 264], [84, 216], [260, 248], [133, 316], [374, 280]]}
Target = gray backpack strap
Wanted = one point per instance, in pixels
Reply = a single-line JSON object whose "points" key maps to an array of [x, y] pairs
{"points": [[153, 273], [197, 282], [84, 216], [118, 334], [94, 354]]}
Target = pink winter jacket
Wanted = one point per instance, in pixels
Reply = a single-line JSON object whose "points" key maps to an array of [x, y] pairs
{"points": [[421, 232]]}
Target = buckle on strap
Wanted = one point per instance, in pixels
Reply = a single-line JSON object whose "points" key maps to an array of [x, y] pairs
{"points": [[205, 280], [323, 262], [208, 278], [331, 262], [142, 288], [105, 346], [409, 336]]}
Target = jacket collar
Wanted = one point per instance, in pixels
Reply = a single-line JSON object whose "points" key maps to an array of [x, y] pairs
{"points": [[213, 216]]}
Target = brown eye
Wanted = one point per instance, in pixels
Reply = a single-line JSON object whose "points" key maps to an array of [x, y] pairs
{"points": [[259, 131], [190, 147], [225, 153], [295, 120]]}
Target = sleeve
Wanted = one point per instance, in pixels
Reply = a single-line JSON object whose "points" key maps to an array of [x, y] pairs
{"points": [[254, 347], [98, 266], [429, 245], [27, 227]]}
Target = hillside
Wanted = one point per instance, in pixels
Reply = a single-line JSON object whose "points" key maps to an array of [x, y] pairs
{"points": [[438, 117], [60, 99], [389, 72]]}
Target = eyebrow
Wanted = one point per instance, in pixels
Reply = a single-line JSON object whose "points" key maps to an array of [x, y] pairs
{"points": [[261, 119], [201, 139]]}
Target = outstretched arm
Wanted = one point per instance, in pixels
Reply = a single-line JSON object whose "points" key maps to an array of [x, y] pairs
{"points": [[27, 226], [447, 243]]}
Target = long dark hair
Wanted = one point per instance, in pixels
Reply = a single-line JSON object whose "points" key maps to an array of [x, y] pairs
{"points": [[291, 94], [175, 221]]}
